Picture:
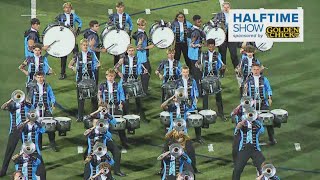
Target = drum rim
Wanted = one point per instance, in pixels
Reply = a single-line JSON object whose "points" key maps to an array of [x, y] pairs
{"points": [[47, 120], [60, 118], [131, 115], [206, 110], [279, 111]]}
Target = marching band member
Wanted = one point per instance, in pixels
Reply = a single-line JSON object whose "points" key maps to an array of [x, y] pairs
{"points": [[43, 100], [111, 95], [210, 63], [35, 63], [181, 27], [171, 68], [223, 18], [191, 91], [85, 64], [104, 136], [194, 47], [18, 112], [31, 37], [104, 172], [131, 68], [93, 38], [68, 19], [258, 88], [17, 175], [121, 20], [249, 146], [94, 160], [141, 39]]}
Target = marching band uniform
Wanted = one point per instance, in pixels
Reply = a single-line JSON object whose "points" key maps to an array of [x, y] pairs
{"points": [[92, 167], [173, 166], [181, 29], [171, 72], [30, 166], [68, 20], [211, 64], [245, 68], [86, 65], [223, 18], [42, 99], [31, 132], [18, 113], [31, 34], [258, 87], [249, 147], [35, 64]]}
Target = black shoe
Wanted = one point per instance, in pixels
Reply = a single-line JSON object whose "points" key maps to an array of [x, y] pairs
{"points": [[53, 146], [200, 140], [62, 76], [197, 171], [80, 120], [2, 173], [121, 174], [272, 143], [224, 119]]}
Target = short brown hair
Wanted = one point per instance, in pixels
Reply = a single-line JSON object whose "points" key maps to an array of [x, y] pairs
{"points": [[250, 49], [170, 50], [39, 73], [119, 4], [93, 22], [185, 67], [37, 45], [111, 72], [84, 41]]}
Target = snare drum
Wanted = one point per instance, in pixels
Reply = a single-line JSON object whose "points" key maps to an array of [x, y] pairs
{"points": [[280, 115], [195, 120], [87, 122], [49, 125], [169, 89], [133, 121], [63, 123], [162, 36], [87, 89], [60, 38], [133, 88], [120, 125], [165, 118], [267, 119], [211, 85], [209, 116], [114, 40], [263, 45], [215, 33]]}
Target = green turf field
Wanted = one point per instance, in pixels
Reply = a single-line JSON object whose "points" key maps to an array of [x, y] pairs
{"points": [[293, 73]]}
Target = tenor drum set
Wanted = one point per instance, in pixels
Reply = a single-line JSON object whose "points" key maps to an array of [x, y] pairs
{"points": [[53, 124]]}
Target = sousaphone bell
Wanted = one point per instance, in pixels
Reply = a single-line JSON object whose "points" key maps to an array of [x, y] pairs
{"points": [[176, 150], [99, 149], [268, 170], [186, 175], [246, 102], [251, 115], [28, 147], [102, 126], [179, 124], [32, 115], [179, 94], [18, 96]]}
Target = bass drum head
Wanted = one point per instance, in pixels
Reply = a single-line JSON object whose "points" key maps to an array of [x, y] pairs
{"points": [[217, 34], [162, 37], [263, 45], [117, 42], [65, 40]]}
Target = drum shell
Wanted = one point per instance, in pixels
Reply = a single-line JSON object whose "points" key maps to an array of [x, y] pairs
{"points": [[280, 118], [87, 89], [50, 125], [133, 86], [169, 89], [211, 85], [63, 125], [165, 118], [209, 118], [88, 123], [266, 120], [197, 122], [132, 123], [120, 125]]}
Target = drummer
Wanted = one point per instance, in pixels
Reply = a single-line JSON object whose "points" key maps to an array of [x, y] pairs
{"points": [[171, 70], [122, 21], [68, 19], [130, 70], [141, 41], [85, 64], [210, 63]]}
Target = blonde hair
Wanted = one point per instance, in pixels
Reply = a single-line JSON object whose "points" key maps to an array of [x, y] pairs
{"points": [[111, 72], [130, 46], [67, 4], [141, 22], [170, 50], [185, 67], [84, 41], [226, 3]]}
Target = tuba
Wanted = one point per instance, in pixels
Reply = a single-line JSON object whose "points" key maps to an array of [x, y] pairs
{"points": [[268, 170], [18, 96], [179, 124], [176, 150], [99, 149], [251, 115], [186, 175], [28, 147], [179, 94], [32, 116], [246, 102]]}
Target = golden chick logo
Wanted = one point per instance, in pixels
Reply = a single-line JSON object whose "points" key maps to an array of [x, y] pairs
{"points": [[282, 32]]}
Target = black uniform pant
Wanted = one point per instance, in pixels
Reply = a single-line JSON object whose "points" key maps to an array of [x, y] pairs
{"points": [[205, 102], [41, 170], [13, 140], [145, 77], [139, 108], [182, 47], [116, 59], [64, 60], [51, 135], [270, 129], [235, 147], [192, 154], [94, 103], [242, 158], [233, 52], [196, 73]]}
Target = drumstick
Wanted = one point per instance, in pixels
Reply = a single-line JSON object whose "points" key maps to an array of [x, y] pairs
{"points": [[145, 69], [111, 46], [261, 45], [161, 41], [53, 43]]}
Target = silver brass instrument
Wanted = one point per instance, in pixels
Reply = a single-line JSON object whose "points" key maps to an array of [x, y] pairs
{"points": [[32, 116], [179, 94], [102, 126], [251, 115], [28, 147], [18, 96], [186, 175], [104, 110], [246, 102], [268, 170], [179, 124], [99, 149], [176, 150]]}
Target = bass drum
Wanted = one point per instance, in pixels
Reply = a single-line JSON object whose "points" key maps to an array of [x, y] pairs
{"points": [[215, 33], [161, 36], [60, 38], [263, 45], [115, 41]]}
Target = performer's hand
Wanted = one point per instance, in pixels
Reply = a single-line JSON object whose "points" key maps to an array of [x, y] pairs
{"points": [[78, 31], [26, 73], [120, 74], [103, 50], [46, 47], [160, 76], [270, 101], [259, 177], [53, 107], [240, 124], [241, 50], [120, 106], [145, 71]]}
